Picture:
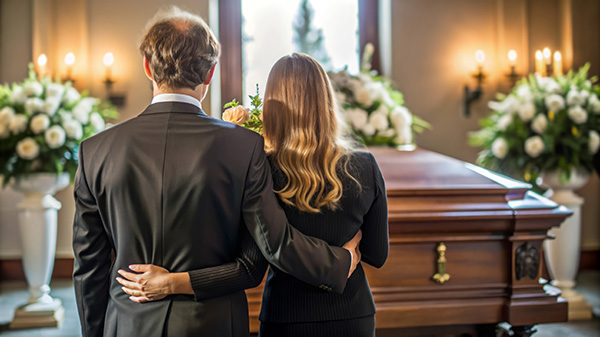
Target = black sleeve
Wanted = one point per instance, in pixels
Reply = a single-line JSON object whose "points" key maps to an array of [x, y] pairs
{"points": [[306, 258], [374, 245], [92, 250], [246, 272]]}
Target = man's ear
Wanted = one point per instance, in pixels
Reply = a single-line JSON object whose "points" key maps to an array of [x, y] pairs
{"points": [[211, 72], [147, 69]]}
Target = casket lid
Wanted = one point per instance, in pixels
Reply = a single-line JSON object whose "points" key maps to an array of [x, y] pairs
{"points": [[429, 186], [426, 172]]}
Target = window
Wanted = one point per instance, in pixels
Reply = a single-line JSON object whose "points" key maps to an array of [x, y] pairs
{"points": [[274, 28], [268, 34]]}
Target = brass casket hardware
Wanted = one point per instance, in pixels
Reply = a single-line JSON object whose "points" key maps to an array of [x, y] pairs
{"points": [[441, 276]]}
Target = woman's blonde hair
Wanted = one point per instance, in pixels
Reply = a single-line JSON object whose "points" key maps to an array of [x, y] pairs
{"points": [[303, 135]]}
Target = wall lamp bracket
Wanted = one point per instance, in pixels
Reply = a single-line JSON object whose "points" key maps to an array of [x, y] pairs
{"points": [[470, 95]]}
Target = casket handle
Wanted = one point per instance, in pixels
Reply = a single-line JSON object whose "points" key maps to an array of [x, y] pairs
{"points": [[441, 276]]}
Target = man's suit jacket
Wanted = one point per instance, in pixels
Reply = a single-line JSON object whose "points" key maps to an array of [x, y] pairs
{"points": [[176, 188]]}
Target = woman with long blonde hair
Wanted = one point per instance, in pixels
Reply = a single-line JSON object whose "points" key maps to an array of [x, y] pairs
{"points": [[328, 190]]}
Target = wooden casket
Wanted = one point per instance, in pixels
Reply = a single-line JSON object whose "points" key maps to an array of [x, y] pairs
{"points": [[465, 251]]}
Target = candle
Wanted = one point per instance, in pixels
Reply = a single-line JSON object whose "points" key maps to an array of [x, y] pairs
{"points": [[540, 67], [479, 57], [69, 61], [547, 55], [42, 61], [108, 60], [557, 63], [512, 57]]}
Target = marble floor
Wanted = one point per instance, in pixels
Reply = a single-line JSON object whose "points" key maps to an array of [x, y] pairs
{"points": [[13, 293]]}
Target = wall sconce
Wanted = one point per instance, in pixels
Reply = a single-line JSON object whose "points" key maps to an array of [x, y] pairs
{"points": [[512, 60], [69, 61], [473, 95], [117, 100]]}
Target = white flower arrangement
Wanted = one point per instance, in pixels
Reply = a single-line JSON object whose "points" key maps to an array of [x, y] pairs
{"points": [[544, 124], [372, 108], [42, 124]]}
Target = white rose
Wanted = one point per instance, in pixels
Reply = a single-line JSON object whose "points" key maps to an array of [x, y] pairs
{"points": [[594, 142], [55, 137], [594, 103], [39, 123], [504, 122], [539, 124], [379, 121], [508, 105], [97, 122], [33, 105], [358, 118], [6, 114], [71, 95], [401, 117], [82, 111], [73, 129], [524, 93], [33, 89], [340, 96], [404, 135], [363, 97], [534, 146], [4, 131], [18, 124], [368, 130], [55, 90], [578, 115], [526, 111], [500, 148], [17, 96], [376, 90], [387, 133], [28, 149], [382, 109], [575, 97], [555, 102], [553, 87], [51, 105]]}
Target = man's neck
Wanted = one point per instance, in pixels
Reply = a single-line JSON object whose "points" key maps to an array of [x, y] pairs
{"points": [[198, 94]]}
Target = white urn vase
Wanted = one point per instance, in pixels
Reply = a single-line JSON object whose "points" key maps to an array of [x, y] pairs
{"points": [[38, 226], [562, 253]]}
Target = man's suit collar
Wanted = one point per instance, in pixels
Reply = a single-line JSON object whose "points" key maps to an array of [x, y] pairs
{"points": [[172, 107]]}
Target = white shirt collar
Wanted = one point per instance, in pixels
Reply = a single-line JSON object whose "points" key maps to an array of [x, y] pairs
{"points": [[176, 98]]}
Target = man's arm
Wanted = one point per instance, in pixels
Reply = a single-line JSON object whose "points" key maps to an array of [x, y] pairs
{"points": [[308, 259], [92, 251]]}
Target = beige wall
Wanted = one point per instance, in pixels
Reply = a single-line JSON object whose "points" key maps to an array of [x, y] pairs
{"points": [[433, 42]]}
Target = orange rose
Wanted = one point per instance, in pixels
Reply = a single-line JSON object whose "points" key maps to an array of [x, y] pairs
{"points": [[238, 115]]}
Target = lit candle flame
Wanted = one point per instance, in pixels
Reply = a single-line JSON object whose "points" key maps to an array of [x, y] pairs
{"points": [[479, 57], [547, 54], [109, 59], [42, 60], [70, 59], [512, 57]]}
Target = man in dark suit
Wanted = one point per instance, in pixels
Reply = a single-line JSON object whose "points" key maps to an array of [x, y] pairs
{"points": [[177, 188]]}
